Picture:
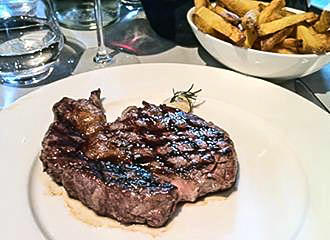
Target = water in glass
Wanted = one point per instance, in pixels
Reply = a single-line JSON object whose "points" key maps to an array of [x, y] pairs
{"points": [[29, 47]]}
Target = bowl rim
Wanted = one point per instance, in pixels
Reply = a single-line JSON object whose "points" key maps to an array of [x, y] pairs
{"points": [[294, 55]]}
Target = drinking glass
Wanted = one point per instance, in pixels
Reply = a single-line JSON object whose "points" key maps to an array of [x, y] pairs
{"points": [[30, 41], [79, 14]]}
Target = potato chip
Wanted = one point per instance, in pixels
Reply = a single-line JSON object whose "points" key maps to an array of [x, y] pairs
{"points": [[219, 24], [240, 7], [271, 11], [323, 24], [292, 44], [283, 50], [310, 42], [251, 36], [277, 25], [227, 15], [276, 38], [201, 3]]}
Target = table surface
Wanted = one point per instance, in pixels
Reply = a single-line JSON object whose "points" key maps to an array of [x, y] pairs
{"points": [[133, 27]]}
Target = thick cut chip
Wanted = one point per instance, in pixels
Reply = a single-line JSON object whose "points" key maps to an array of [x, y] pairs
{"points": [[220, 25], [291, 43], [277, 38], [249, 22], [271, 11], [323, 24], [240, 7], [201, 3], [250, 19], [227, 15], [282, 50], [202, 25], [251, 36], [277, 25], [311, 44], [324, 38]]}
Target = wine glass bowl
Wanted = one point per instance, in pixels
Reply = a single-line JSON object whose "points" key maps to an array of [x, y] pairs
{"points": [[80, 15]]}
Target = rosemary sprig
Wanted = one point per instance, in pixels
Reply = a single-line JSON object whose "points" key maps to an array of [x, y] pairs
{"points": [[189, 95]]}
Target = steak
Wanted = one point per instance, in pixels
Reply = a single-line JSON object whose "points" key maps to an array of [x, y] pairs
{"points": [[137, 168]]}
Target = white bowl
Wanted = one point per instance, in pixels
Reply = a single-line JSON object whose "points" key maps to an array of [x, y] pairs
{"points": [[262, 64]]}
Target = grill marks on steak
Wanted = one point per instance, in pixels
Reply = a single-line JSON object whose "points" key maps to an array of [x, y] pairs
{"points": [[139, 167], [194, 155]]}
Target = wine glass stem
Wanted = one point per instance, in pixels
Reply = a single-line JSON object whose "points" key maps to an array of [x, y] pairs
{"points": [[102, 52], [307, 4]]}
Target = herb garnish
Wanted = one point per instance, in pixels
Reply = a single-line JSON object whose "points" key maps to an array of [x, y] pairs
{"points": [[189, 95]]}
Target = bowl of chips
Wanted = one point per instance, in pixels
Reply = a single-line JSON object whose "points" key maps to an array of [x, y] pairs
{"points": [[262, 39]]}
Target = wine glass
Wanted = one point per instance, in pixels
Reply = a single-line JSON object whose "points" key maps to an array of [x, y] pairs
{"points": [[104, 55], [307, 4]]}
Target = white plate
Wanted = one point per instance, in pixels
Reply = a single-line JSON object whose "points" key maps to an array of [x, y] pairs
{"points": [[282, 142]]}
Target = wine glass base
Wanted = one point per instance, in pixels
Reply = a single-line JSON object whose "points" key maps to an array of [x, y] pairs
{"points": [[86, 62], [103, 59]]}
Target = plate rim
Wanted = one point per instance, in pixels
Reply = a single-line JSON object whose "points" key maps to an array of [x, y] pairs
{"points": [[85, 74]]}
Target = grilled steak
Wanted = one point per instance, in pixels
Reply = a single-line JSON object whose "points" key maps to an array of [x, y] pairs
{"points": [[137, 168]]}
